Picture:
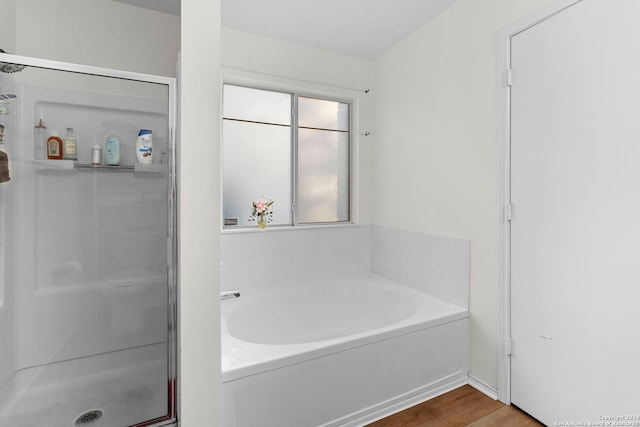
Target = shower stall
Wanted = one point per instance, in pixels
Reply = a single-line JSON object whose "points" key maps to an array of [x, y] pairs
{"points": [[87, 249]]}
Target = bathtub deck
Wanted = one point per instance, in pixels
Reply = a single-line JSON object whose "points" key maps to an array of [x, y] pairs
{"points": [[464, 406]]}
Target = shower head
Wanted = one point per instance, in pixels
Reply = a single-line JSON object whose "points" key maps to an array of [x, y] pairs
{"points": [[9, 68]]}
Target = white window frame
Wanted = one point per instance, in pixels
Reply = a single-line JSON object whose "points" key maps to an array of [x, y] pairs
{"points": [[295, 94]]}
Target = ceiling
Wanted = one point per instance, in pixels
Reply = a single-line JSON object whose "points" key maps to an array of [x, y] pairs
{"points": [[165, 6], [360, 28]]}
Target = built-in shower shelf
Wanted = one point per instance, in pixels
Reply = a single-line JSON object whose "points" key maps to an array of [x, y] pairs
{"points": [[70, 165], [145, 168], [54, 164], [105, 167]]}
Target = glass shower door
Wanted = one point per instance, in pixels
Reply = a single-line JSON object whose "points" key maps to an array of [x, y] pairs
{"points": [[87, 301]]}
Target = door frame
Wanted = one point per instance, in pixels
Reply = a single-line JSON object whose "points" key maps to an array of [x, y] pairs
{"points": [[503, 85]]}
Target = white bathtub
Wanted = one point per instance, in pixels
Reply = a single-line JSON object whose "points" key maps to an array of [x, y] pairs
{"points": [[340, 352]]}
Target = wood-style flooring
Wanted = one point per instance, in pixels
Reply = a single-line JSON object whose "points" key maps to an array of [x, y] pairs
{"points": [[464, 406]]}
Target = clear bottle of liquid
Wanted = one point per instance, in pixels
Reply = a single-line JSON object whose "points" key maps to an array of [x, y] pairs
{"points": [[96, 155], [40, 141], [70, 144]]}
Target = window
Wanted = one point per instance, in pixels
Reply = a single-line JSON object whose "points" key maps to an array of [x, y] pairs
{"points": [[288, 148]]}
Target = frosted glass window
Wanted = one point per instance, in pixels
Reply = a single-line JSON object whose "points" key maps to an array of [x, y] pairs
{"points": [[323, 176], [257, 165], [323, 114], [263, 147], [256, 105]]}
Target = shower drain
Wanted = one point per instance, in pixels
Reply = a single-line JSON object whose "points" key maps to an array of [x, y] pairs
{"points": [[89, 417]]}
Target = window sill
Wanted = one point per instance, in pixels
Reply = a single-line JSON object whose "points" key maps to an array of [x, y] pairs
{"points": [[280, 228]]}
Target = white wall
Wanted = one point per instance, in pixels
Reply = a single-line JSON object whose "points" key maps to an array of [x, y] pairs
{"points": [[199, 213], [435, 265], [293, 257], [436, 145]]}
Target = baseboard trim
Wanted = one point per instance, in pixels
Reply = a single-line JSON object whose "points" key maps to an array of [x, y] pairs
{"points": [[483, 387], [413, 398], [400, 403]]}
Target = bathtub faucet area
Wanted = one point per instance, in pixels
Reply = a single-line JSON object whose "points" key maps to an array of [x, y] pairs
{"points": [[229, 294]]}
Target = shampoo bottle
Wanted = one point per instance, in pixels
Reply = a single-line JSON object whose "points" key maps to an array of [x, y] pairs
{"points": [[144, 146], [112, 150], [54, 147]]}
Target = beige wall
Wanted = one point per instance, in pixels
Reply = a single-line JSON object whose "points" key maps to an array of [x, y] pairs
{"points": [[8, 27], [103, 33], [261, 54], [436, 145]]}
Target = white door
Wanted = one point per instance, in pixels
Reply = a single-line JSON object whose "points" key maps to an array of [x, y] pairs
{"points": [[575, 233]]}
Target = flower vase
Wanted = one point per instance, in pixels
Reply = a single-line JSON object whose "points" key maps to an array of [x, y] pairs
{"points": [[262, 222]]}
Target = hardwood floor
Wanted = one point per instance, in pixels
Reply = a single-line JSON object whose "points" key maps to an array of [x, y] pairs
{"points": [[464, 406]]}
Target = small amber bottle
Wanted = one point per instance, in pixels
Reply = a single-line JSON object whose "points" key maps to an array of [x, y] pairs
{"points": [[54, 147]]}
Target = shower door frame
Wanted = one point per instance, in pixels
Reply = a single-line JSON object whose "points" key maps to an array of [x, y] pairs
{"points": [[172, 306]]}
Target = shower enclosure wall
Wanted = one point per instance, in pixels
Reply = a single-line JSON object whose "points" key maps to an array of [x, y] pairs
{"points": [[87, 283]]}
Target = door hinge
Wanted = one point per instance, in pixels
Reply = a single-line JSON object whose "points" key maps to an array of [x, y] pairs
{"points": [[508, 77], [507, 346], [508, 212]]}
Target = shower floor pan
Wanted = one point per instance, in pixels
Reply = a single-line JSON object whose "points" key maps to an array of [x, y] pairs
{"points": [[121, 388]]}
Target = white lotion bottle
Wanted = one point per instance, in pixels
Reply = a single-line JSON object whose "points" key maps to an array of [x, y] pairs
{"points": [[144, 146], [96, 155]]}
